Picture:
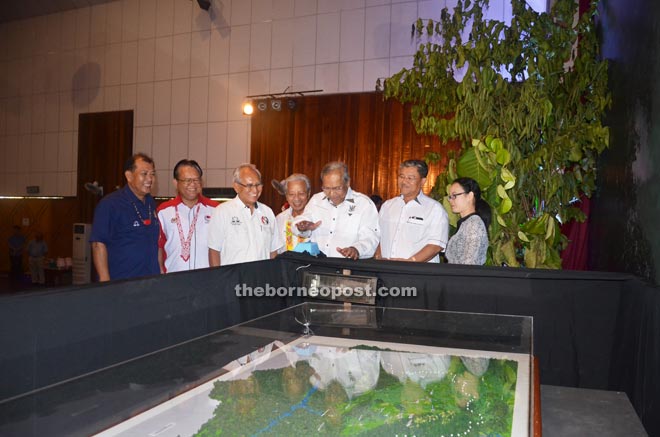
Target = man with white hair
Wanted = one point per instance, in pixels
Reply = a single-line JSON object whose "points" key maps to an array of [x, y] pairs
{"points": [[242, 229], [343, 222], [296, 189]]}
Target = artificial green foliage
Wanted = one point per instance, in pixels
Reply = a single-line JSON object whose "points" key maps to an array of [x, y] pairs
{"points": [[284, 402], [528, 112]]}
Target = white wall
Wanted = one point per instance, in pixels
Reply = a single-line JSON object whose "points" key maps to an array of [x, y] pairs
{"points": [[185, 73]]}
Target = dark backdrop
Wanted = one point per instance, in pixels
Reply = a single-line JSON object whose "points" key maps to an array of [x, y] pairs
{"points": [[625, 235], [591, 329]]}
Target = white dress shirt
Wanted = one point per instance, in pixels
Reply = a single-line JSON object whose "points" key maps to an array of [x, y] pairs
{"points": [[242, 236], [354, 222], [407, 227], [170, 241]]}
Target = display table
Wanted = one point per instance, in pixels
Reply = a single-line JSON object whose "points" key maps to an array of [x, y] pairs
{"points": [[311, 369], [58, 277]]}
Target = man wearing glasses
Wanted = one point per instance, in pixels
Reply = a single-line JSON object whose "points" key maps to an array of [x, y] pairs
{"points": [[242, 229], [343, 222], [414, 227], [184, 222], [125, 229]]}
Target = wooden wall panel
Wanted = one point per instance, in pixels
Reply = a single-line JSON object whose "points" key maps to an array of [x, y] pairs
{"points": [[105, 142], [371, 135], [53, 217]]}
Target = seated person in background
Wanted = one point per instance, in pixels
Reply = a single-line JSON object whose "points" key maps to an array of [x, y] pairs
{"points": [[242, 229], [413, 226], [470, 242], [184, 222], [296, 189], [344, 223]]}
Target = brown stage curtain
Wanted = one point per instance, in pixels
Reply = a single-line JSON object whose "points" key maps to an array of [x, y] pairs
{"points": [[371, 135]]}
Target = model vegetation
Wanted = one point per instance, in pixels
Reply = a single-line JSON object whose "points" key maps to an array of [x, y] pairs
{"points": [[526, 101], [284, 402]]}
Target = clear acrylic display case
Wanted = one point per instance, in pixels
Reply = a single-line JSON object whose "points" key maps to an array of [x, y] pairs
{"points": [[312, 369]]}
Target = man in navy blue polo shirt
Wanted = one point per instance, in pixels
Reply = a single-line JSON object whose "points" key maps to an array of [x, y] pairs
{"points": [[125, 230]]}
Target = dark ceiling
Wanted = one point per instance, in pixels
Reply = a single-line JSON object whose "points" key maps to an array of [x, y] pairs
{"points": [[20, 9]]}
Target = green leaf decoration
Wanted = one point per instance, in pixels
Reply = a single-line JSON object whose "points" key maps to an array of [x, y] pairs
{"points": [[500, 220], [550, 230], [471, 165], [528, 113], [502, 192], [503, 156], [505, 206]]}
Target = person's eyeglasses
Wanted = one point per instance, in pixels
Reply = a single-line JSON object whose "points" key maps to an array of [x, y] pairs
{"points": [[251, 186], [454, 196], [338, 189], [407, 178], [190, 181]]}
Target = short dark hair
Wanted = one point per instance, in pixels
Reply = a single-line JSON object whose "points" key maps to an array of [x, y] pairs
{"points": [[421, 166], [130, 165], [187, 163]]}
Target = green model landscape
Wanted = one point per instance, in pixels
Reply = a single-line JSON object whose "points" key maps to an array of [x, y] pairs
{"points": [[284, 402]]}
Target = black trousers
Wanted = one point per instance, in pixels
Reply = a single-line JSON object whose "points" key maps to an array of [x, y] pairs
{"points": [[16, 262]]}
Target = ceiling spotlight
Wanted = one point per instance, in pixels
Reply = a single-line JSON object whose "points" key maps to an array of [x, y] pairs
{"points": [[276, 105], [262, 106], [291, 104], [248, 109]]}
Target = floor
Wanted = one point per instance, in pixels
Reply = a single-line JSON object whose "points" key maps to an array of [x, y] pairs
{"points": [[568, 412], [9, 286]]}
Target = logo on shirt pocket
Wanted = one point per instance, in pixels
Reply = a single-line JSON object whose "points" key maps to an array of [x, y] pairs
{"points": [[235, 221]]}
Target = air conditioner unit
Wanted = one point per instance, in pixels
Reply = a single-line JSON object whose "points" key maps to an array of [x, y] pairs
{"points": [[82, 253]]}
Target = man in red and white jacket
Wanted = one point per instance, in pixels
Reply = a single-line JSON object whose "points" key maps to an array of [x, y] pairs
{"points": [[184, 222]]}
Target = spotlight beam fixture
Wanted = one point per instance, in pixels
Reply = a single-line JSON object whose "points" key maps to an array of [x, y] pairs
{"points": [[273, 100], [248, 108]]}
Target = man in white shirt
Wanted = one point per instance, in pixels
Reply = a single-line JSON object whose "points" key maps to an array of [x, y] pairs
{"points": [[344, 223], [242, 229], [184, 222], [413, 226]]}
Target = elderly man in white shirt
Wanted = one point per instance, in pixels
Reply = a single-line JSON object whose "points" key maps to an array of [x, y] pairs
{"points": [[344, 223], [413, 226], [242, 229]]}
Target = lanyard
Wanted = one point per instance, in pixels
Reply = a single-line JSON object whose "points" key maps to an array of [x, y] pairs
{"points": [[185, 243]]}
